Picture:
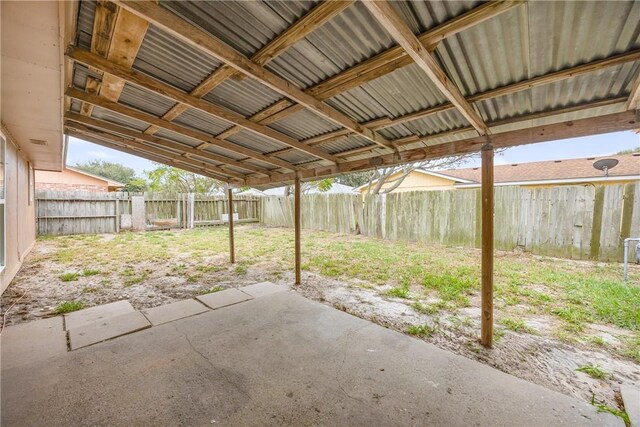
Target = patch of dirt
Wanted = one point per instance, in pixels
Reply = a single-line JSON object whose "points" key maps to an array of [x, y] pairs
{"points": [[533, 357]]}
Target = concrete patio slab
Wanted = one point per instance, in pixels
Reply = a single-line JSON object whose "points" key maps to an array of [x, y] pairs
{"points": [[88, 316], [631, 399], [108, 328], [263, 288], [32, 342], [174, 311], [223, 298], [277, 360]]}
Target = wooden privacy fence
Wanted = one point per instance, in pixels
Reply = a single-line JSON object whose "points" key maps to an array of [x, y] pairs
{"points": [[581, 222], [73, 212]]}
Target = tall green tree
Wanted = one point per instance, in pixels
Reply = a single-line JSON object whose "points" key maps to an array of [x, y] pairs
{"points": [[115, 172], [169, 178]]}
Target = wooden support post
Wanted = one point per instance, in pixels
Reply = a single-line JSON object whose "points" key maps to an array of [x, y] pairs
{"points": [[487, 246], [296, 224], [232, 253]]}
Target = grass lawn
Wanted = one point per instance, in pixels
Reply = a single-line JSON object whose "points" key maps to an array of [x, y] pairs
{"points": [[433, 279]]}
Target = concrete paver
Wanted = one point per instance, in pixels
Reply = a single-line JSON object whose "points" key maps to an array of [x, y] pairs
{"points": [[91, 315], [174, 311], [110, 327], [262, 289], [631, 399], [32, 342], [223, 298], [278, 360]]}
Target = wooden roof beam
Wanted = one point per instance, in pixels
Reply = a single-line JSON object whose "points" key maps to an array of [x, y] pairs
{"points": [[213, 46], [182, 130], [392, 22], [387, 61], [304, 26], [616, 122], [153, 140], [164, 158], [633, 101], [174, 94]]}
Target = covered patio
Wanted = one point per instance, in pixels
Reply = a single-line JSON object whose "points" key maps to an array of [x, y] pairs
{"points": [[262, 94]]}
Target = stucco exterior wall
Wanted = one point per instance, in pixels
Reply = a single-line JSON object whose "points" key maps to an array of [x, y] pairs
{"points": [[417, 181], [69, 180], [20, 222]]}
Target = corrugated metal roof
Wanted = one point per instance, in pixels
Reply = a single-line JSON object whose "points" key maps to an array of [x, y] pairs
{"points": [[524, 42], [245, 25], [166, 58]]}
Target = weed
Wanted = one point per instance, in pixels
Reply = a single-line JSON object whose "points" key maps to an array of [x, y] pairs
{"points": [[421, 330], [516, 325], [498, 334], [597, 340], [89, 290], [398, 292], [90, 272], [69, 277], [68, 307], [430, 309], [602, 407], [241, 269], [193, 278], [594, 371], [632, 348], [209, 268]]}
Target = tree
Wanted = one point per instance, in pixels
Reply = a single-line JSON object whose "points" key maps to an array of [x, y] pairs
{"points": [[110, 170], [169, 178], [322, 186], [385, 180], [355, 179], [629, 151]]}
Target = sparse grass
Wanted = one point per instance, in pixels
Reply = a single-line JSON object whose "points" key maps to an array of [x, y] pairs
{"points": [[69, 277], [90, 272], [241, 269], [594, 371], [211, 290], [193, 278], [398, 292], [89, 290], [68, 307], [632, 348], [614, 411], [421, 330], [516, 325], [430, 309]]}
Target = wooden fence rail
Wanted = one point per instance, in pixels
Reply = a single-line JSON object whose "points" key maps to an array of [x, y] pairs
{"points": [[72, 212], [580, 222]]}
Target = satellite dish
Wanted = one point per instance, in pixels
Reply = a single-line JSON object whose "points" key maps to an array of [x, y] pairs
{"points": [[605, 164]]}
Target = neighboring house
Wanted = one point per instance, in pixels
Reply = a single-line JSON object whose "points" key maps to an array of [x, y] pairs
{"points": [[72, 179], [534, 174], [336, 188]]}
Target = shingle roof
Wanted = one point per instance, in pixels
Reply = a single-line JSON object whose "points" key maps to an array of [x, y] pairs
{"points": [[629, 164]]}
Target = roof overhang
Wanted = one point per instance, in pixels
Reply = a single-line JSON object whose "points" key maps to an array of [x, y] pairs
{"points": [[33, 35], [310, 91]]}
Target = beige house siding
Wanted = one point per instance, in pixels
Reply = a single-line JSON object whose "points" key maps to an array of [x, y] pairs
{"points": [[20, 225], [417, 181], [69, 180]]}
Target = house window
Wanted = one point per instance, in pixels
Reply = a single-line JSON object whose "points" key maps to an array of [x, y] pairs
{"points": [[3, 156]]}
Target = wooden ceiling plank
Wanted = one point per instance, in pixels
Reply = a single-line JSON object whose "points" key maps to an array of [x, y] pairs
{"points": [[174, 94], [153, 150], [633, 101], [164, 124], [211, 45], [150, 139], [164, 158], [616, 122], [393, 23]]}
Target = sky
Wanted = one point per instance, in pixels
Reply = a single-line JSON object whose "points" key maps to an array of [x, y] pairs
{"points": [[591, 146]]}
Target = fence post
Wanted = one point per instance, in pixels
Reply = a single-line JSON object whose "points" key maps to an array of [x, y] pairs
{"points": [[192, 209], [138, 213], [117, 213]]}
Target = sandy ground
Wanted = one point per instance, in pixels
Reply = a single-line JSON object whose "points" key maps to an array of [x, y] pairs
{"points": [[537, 357]]}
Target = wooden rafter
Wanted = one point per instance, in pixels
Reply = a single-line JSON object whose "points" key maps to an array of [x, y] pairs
{"points": [[384, 62], [213, 46], [633, 101], [569, 129], [159, 142], [164, 158], [393, 23], [174, 94], [173, 127], [554, 77]]}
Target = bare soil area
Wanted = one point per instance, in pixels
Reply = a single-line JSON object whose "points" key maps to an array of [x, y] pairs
{"points": [[553, 316]]}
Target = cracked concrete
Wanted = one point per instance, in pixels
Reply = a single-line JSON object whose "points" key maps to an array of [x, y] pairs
{"points": [[276, 360]]}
